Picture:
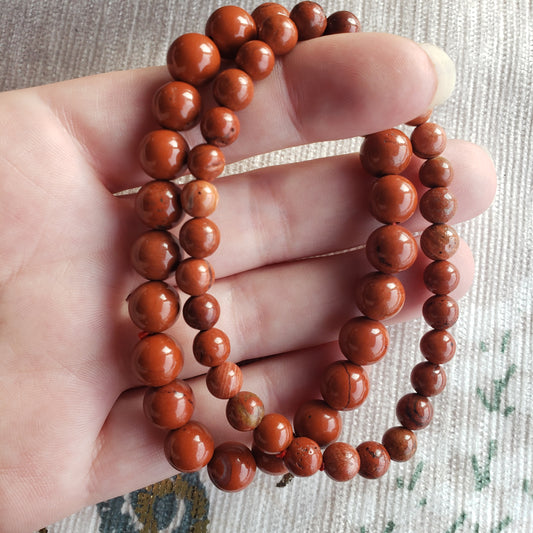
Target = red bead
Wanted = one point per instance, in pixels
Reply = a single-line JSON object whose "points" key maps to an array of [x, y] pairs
{"points": [[318, 421], [220, 126], [436, 172], [280, 33], [428, 140], [393, 199], [158, 205], [440, 311], [342, 22], [380, 296], [201, 312], [155, 254], [199, 198], [206, 162], [268, 463], [224, 381], [438, 205], [363, 341], [420, 119], [163, 154], [441, 277], [428, 379], [437, 346], [199, 237], [170, 406], [190, 447], [375, 459], [232, 467], [273, 434], [245, 411], [267, 9], [211, 347], [256, 58], [233, 88], [414, 411], [344, 386], [386, 152], [310, 20], [195, 276], [177, 105], [400, 442], [303, 457], [341, 461], [439, 241]]}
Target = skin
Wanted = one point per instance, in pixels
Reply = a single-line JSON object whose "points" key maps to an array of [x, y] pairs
{"points": [[72, 427]]}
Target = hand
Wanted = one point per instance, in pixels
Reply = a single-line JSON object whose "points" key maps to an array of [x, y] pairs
{"points": [[72, 427]]}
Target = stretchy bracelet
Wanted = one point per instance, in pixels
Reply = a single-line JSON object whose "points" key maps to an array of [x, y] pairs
{"points": [[248, 45]]}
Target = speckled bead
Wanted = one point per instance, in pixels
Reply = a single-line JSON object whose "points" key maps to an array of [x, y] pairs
{"points": [[245, 411], [195, 276], [199, 198], [232, 467], [199, 237], [341, 461], [344, 386], [157, 204], [400, 442], [201, 312], [224, 381], [206, 162], [220, 126], [342, 22], [380, 296], [393, 199], [280, 33], [318, 421], [374, 459], [310, 20], [428, 379], [363, 341], [177, 105], [440, 311], [190, 447], [268, 463], [273, 434], [170, 406], [211, 347], [267, 9], [386, 152], [436, 172], [155, 254], [438, 205], [256, 58], [303, 457], [438, 346], [441, 277], [163, 154], [414, 411], [439, 241], [428, 140], [233, 88]]}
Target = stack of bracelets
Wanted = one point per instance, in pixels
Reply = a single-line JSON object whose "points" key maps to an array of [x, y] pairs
{"points": [[252, 42]]}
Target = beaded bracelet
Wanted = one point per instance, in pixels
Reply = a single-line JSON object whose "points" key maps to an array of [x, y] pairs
{"points": [[251, 42]]}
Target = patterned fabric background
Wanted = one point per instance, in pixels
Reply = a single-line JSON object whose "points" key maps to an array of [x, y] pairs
{"points": [[473, 472]]}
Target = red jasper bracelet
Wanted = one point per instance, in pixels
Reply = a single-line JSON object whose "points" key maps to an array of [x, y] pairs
{"points": [[250, 44]]}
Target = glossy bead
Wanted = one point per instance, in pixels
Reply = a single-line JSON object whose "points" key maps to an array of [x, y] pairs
{"points": [[220, 126], [400, 442], [193, 58], [440, 311], [439, 241], [441, 277], [163, 154], [414, 411], [199, 198], [229, 27], [310, 20], [233, 88], [157, 360], [177, 105], [273, 434], [428, 140], [303, 457], [224, 381], [428, 379], [438, 346], [155, 254], [256, 58], [420, 119], [391, 248], [393, 199], [438, 205], [341, 461], [199, 237], [380, 296], [195, 276], [268, 463], [386, 152], [280, 33], [245, 411], [375, 459], [211, 347], [232, 467], [153, 306], [342, 22], [157, 204], [267, 9], [363, 341], [201, 312], [206, 162], [318, 421], [436, 172], [344, 386], [190, 447], [170, 406]]}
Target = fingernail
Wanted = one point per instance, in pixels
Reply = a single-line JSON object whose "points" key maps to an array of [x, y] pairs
{"points": [[445, 69]]}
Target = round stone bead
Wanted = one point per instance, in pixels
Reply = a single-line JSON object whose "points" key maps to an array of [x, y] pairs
{"points": [[195, 276], [190, 447], [391, 248], [268, 463], [344, 386], [256, 58], [153, 306], [393, 199], [436, 172], [155, 254], [273, 434], [428, 140], [170, 406], [224, 381], [211, 347], [441, 277], [310, 20], [342, 22], [420, 119], [341, 461], [438, 205], [374, 458], [199, 237], [206, 162], [363, 341], [199, 198], [440, 311], [428, 379], [386, 152], [303, 457], [229, 27], [400, 442], [201, 312], [439, 241], [280, 33], [414, 411], [157, 360], [177, 105], [318, 421], [232, 467], [267, 9], [193, 58], [438, 346], [233, 88], [220, 126], [157, 204], [162, 154], [245, 411], [380, 296]]}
